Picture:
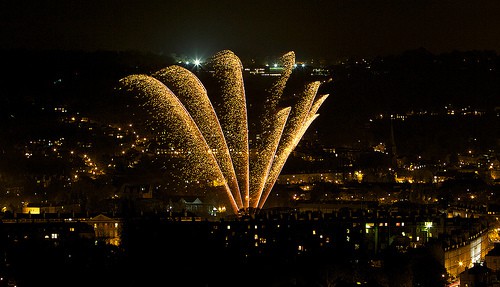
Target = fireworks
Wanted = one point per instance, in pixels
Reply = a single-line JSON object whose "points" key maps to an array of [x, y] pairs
{"points": [[215, 138]]}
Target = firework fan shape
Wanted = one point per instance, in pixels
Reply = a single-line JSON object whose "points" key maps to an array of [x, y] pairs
{"points": [[215, 138]]}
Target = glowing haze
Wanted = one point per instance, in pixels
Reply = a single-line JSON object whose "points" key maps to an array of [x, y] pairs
{"points": [[215, 137]]}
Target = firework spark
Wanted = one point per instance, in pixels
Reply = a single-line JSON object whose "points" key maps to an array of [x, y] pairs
{"points": [[215, 138], [298, 117], [193, 96]]}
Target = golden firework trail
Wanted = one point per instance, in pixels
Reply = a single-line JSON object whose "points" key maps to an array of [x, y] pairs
{"points": [[168, 112], [233, 116], [215, 138], [297, 119], [193, 95], [261, 165]]}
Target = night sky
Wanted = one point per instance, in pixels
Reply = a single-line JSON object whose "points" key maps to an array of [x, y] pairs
{"points": [[319, 29]]}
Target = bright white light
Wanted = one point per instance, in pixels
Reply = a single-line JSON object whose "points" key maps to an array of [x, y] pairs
{"points": [[197, 62]]}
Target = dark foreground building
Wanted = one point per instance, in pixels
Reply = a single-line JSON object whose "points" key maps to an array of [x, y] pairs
{"points": [[279, 247]]}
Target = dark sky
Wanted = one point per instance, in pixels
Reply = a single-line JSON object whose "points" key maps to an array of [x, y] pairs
{"points": [[327, 29]]}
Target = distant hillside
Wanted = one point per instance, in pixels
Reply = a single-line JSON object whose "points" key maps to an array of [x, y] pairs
{"points": [[361, 88], [413, 81]]}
